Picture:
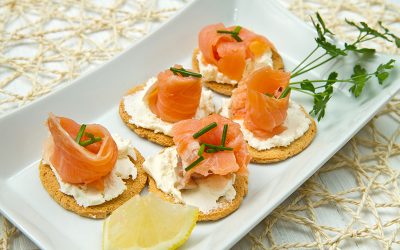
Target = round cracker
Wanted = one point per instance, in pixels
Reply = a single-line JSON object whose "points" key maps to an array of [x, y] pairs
{"points": [[50, 183], [226, 89], [159, 138], [277, 154], [240, 185]]}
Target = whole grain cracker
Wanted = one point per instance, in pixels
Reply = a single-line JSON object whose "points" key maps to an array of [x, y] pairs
{"points": [[149, 134], [240, 185], [68, 202], [282, 153], [226, 89]]}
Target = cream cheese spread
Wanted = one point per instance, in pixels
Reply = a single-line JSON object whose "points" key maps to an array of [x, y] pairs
{"points": [[296, 123], [142, 116], [163, 168], [113, 183], [210, 72]]}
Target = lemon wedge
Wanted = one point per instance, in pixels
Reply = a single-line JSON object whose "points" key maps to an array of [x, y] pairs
{"points": [[148, 222]]}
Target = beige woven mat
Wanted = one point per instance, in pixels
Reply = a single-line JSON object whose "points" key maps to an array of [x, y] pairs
{"points": [[365, 205]]}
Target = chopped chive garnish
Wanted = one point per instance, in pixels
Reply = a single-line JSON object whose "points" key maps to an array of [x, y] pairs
{"points": [[211, 150], [224, 131], [80, 133], [234, 33], [185, 73], [218, 148], [193, 164], [201, 150], [90, 135], [204, 130], [285, 92], [269, 95], [90, 141]]}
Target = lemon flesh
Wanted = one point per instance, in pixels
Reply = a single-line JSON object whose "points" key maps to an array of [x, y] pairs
{"points": [[148, 222]]}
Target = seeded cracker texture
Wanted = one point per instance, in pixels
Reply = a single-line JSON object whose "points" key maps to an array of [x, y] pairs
{"points": [[240, 185], [159, 138], [276, 154], [101, 211], [226, 89]]}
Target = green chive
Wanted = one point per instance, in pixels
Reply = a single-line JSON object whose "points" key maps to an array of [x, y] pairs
{"points": [[90, 135], [204, 130], [193, 164], [90, 141], [285, 92], [211, 150], [184, 72], [201, 150], [218, 148], [269, 95], [80, 133], [224, 131], [234, 33]]}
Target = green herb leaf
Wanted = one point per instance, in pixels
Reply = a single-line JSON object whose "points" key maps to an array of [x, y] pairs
{"points": [[330, 48], [382, 71], [321, 21], [365, 51], [320, 101], [359, 78], [307, 85]]}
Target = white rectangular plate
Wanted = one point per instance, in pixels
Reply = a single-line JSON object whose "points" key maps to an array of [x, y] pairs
{"points": [[95, 97]]}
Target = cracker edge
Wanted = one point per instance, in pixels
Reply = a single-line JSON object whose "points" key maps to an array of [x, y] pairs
{"points": [[134, 187], [277, 154], [159, 138], [226, 89], [240, 185]]}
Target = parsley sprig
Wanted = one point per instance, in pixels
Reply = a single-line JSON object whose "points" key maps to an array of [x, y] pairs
{"points": [[322, 90]]}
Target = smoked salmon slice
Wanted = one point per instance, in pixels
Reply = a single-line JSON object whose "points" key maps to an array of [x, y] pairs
{"points": [[257, 101], [227, 53], [218, 163], [174, 97], [77, 164]]}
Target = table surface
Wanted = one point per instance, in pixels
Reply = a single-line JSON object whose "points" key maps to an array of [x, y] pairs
{"points": [[324, 203]]}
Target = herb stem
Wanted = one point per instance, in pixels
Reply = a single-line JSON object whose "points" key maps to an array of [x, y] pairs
{"points": [[316, 66], [305, 59], [310, 63]]}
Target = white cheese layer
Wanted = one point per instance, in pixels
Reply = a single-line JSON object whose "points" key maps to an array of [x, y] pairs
{"points": [[163, 168], [142, 116], [210, 72], [113, 183], [296, 123]]}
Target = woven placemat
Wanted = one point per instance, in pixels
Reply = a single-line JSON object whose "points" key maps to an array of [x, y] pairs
{"points": [[368, 208]]}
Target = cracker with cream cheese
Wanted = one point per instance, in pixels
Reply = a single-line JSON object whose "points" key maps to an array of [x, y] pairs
{"points": [[134, 187]]}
